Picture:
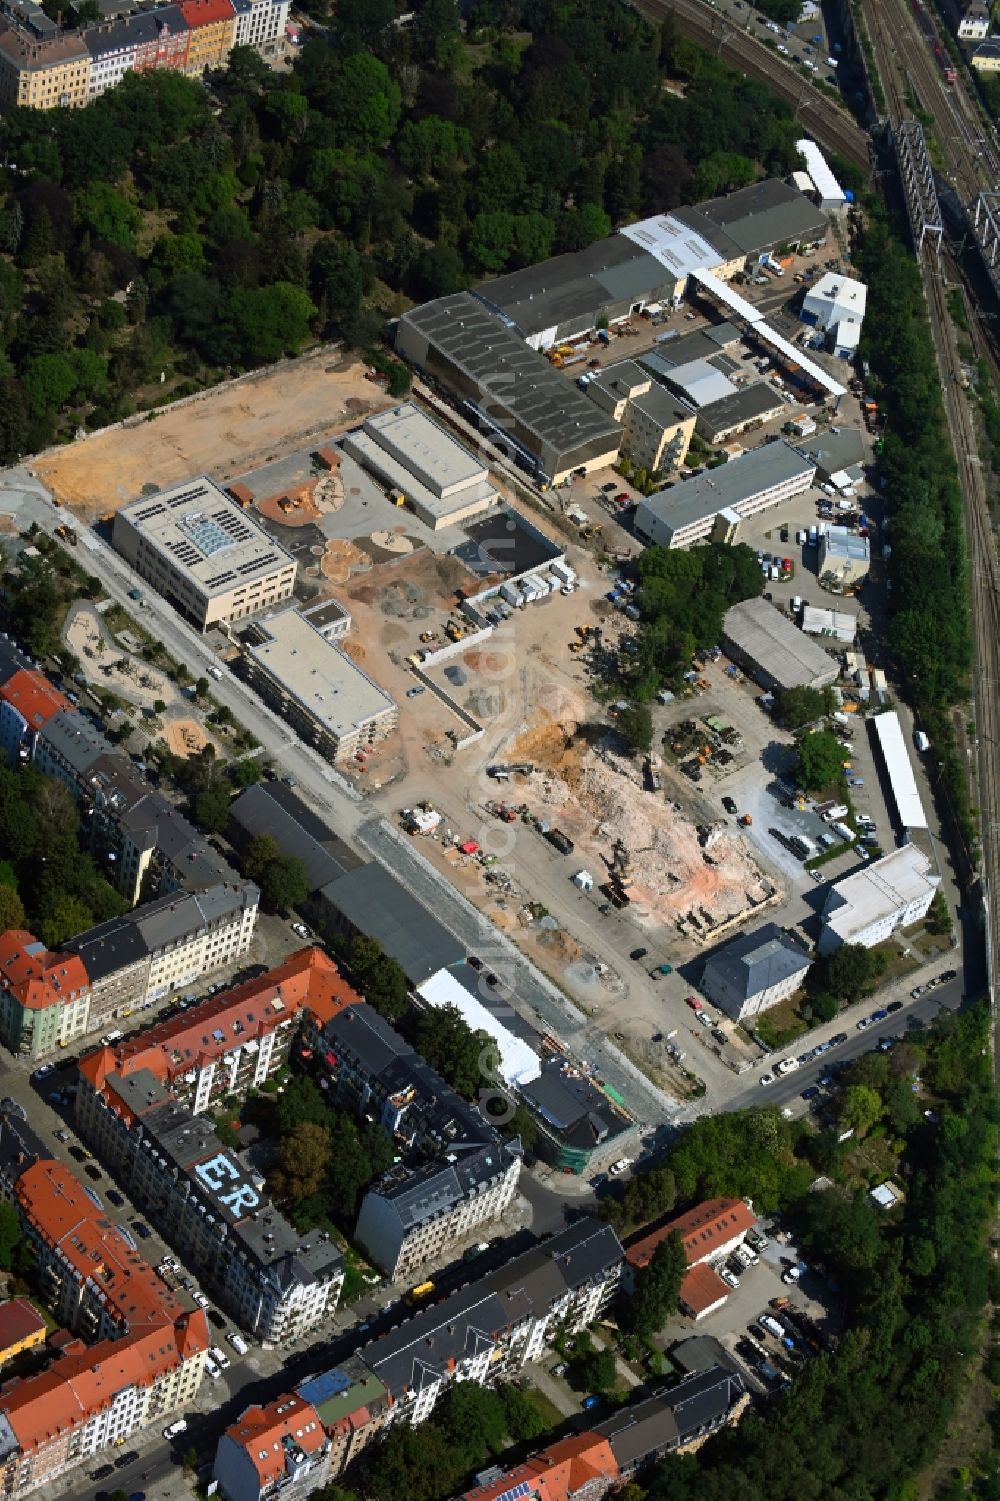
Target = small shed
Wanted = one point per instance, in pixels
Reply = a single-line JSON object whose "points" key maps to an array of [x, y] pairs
{"points": [[583, 880]]}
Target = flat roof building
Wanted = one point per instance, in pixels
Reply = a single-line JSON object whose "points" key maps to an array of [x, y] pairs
{"points": [[328, 699], [578, 1122], [830, 195], [754, 971], [414, 456], [201, 550], [832, 451], [835, 625], [899, 768], [772, 650], [528, 409], [517, 1061], [657, 426], [836, 305], [370, 900], [867, 907], [685, 512]]}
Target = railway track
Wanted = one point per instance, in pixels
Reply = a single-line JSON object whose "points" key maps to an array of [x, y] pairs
{"points": [[829, 122], [905, 63]]}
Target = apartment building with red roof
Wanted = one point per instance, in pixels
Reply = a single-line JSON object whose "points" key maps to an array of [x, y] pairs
{"points": [[271, 1448], [27, 702], [234, 1041], [21, 1328], [44, 995], [212, 33], [147, 1355]]}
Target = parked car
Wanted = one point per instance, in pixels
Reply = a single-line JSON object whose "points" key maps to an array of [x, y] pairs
{"points": [[705, 1019], [92, 1171], [143, 1231], [46, 1068], [948, 974], [766, 1079], [917, 990], [415, 690], [560, 1369], [173, 1429], [693, 1002], [893, 1007], [729, 804], [879, 1015], [115, 1198], [238, 1343], [591, 1402], [102, 1472], [620, 1166], [835, 1042], [212, 1369], [201, 1300], [730, 1278], [811, 1092], [124, 1460]]}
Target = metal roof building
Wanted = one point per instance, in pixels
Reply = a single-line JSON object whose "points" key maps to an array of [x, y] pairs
{"points": [[765, 644], [836, 624], [684, 513], [272, 808], [370, 900], [899, 770], [719, 420], [529, 409], [518, 1063], [831, 194]]}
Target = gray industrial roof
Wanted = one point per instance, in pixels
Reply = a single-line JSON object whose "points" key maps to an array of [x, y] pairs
{"points": [[754, 218], [274, 809], [758, 960], [728, 485], [702, 344], [573, 1106], [672, 1417], [834, 450], [574, 285], [493, 357], [748, 404], [662, 407], [769, 640], [372, 901]]}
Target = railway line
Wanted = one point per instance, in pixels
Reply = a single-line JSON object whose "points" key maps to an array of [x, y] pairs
{"points": [[905, 63], [827, 121]]}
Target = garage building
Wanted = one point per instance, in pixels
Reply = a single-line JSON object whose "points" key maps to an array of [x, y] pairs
{"points": [[762, 641]]}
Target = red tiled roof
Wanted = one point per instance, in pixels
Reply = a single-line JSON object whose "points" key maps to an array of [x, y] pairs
{"points": [[703, 1230], [261, 1431], [37, 977], [18, 1321], [56, 1205], [205, 12], [702, 1288], [33, 696], [557, 1473], [308, 980]]}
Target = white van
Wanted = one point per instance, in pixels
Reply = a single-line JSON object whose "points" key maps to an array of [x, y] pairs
{"points": [[173, 1429], [237, 1341], [220, 1357]]}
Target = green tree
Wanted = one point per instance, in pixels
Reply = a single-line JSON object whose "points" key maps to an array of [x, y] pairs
{"points": [[247, 772], [860, 1108], [938, 916], [820, 761], [101, 208], [851, 971], [591, 1369], [211, 809], [284, 884], [524, 1422], [467, 1059], [260, 852], [798, 707], [635, 724], [336, 279], [379, 977], [11, 909], [657, 1286], [303, 1157], [10, 1236], [472, 1421]]}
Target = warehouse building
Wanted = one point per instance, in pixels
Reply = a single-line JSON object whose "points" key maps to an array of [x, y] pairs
{"points": [[824, 186], [774, 652], [685, 513], [747, 407], [442, 481], [844, 560], [369, 900], [272, 808], [198, 548], [525, 406], [325, 696], [836, 306], [756, 970], [867, 907]]}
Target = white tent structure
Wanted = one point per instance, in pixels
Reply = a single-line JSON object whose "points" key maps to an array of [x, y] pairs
{"points": [[518, 1062]]}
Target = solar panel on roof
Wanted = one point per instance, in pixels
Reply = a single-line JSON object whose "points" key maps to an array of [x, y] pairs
{"points": [[515, 1492]]}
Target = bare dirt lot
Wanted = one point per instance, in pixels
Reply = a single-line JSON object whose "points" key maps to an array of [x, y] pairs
{"points": [[220, 433], [185, 737]]}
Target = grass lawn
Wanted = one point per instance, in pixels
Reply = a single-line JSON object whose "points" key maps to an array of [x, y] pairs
{"points": [[547, 1409]]}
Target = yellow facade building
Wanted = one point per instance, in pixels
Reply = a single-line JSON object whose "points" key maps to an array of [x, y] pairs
{"points": [[42, 73], [213, 34]]}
